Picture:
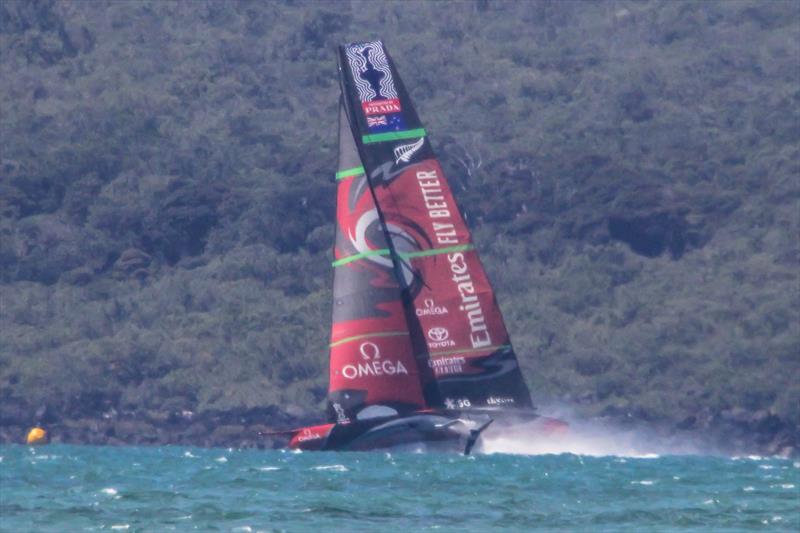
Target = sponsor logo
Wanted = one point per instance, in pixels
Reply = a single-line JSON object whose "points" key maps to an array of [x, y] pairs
{"points": [[438, 209], [341, 416], [457, 403], [443, 366], [404, 152], [371, 72], [307, 434], [445, 232], [430, 308], [373, 364], [381, 107], [438, 334], [439, 338], [470, 304], [494, 400], [374, 82], [376, 121], [369, 350]]}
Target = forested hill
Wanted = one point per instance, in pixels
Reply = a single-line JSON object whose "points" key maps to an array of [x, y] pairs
{"points": [[630, 170]]}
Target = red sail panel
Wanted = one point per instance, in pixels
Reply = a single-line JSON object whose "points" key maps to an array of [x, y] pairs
{"points": [[372, 367], [453, 314], [467, 342]]}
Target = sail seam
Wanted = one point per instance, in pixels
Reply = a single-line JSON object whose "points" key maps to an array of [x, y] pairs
{"points": [[471, 350], [393, 136], [368, 335], [348, 173]]}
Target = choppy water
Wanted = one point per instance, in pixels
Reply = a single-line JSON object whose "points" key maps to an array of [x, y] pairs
{"points": [[83, 488]]}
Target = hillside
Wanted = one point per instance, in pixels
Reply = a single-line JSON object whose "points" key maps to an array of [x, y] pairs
{"points": [[630, 171]]}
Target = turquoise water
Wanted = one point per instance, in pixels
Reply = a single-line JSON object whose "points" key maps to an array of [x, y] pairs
{"points": [[83, 488]]}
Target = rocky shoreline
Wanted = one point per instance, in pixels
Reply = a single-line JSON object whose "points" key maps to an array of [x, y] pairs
{"points": [[733, 432]]}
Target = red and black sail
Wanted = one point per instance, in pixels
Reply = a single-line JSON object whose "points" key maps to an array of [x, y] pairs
{"points": [[407, 271], [373, 371]]}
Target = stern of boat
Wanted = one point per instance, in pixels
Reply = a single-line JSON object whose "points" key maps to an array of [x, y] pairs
{"points": [[310, 438]]}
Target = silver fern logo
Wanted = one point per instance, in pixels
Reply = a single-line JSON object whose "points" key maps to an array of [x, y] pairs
{"points": [[404, 152]]}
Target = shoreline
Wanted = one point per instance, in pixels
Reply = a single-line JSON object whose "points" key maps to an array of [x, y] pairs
{"points": [[245, 428]]}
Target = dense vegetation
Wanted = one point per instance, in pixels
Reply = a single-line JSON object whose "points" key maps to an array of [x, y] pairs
{"points": [[630, 170]]}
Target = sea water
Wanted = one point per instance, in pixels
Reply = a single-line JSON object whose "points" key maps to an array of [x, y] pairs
{"points": [[84, 488]]}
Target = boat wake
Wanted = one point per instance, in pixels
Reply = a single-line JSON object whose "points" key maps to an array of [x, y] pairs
{"points": [[591, 438]]}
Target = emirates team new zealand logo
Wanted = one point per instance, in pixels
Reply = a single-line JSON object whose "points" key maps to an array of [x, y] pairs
{"points": [[375, 86]]}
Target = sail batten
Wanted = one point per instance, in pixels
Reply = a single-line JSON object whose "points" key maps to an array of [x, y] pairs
{"points": [[462, 348], [349, 173], [393, 136], [361, 255]]}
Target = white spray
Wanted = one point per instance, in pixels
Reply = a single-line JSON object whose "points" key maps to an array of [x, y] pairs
{"points": [[589, 437]]}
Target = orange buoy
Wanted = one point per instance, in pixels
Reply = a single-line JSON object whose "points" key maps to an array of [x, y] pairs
{"points": [[37, 436]]}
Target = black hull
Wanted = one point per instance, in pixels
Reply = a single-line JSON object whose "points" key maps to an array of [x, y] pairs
{"points": [[419, 431], [430, 432], [447, 431]]}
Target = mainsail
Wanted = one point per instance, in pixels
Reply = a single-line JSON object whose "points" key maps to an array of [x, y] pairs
{"points": [[372, 360], [408, 284]]}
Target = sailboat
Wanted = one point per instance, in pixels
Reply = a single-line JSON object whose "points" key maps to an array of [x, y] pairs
{"points": [[419, 353]]}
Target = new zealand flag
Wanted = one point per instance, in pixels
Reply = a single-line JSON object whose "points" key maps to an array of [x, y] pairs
{"points": [[380, 123]]}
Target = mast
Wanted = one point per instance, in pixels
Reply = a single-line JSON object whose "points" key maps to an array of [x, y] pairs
{"points": [[455, 325]]}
